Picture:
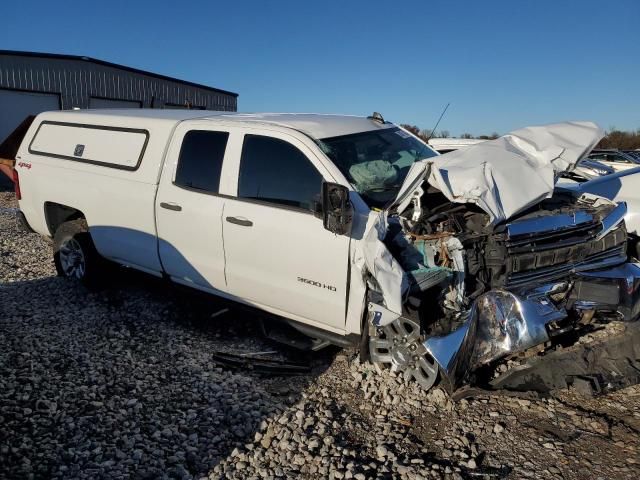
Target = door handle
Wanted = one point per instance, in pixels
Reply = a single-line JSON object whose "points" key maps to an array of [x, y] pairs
{"points": [[243, 222], [171, 206]]}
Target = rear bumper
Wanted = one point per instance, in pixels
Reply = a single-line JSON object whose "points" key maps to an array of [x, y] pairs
{"points": [[503, 322]]}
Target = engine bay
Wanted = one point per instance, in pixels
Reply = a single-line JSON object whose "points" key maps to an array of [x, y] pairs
{"points": [[479, 293]]}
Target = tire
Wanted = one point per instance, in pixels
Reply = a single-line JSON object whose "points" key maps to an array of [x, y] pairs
{"points": [[75, 256]]}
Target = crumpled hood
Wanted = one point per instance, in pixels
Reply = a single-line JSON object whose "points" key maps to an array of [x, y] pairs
{"points": [[507, 175]]}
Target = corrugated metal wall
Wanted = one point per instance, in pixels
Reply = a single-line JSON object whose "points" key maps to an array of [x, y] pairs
{"points": [[78, 80]]}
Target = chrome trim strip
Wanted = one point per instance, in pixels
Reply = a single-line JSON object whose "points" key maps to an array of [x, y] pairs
{"points": [[611, 221], [552, 223]]}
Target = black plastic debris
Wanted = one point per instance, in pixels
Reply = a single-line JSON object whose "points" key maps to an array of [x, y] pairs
{"points": [[254, 363], [590, 369]]}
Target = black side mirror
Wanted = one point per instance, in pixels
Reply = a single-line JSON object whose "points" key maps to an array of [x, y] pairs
{"points": [[337, 212]]}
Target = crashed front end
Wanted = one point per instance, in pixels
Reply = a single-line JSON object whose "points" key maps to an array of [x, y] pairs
{"points": [[561, 281], [478, 289]]}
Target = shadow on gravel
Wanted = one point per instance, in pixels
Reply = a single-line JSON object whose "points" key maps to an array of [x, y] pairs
{"points": [[120, 383]]}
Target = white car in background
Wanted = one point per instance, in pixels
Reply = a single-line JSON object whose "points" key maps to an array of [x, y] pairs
{"points": [[615, 159], [621, 186], [446, 145], [585, 170]]}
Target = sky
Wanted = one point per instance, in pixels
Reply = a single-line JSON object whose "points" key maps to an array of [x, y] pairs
{"points": [[501, 65]]}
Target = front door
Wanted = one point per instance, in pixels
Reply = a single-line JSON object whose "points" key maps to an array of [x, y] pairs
{"points": [[278, 254]]}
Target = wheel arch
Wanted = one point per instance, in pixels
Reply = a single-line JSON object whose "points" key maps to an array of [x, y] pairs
{"points": [[56, 214]]}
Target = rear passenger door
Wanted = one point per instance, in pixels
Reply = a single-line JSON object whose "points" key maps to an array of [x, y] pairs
{"points": [[278, 253], [189, 207]]}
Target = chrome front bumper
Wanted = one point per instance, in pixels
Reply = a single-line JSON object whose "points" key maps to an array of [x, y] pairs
{"points": [[503, 322]]}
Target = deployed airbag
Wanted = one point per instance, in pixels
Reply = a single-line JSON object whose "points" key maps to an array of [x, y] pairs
{"points": [[367, 175]]}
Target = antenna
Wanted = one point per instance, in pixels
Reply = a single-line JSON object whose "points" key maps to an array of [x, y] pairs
{"points": [[438, 122]]}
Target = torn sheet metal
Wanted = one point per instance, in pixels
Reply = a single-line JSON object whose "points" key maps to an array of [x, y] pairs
{"points": [[499, 323], [509, 174], [372, 255]]}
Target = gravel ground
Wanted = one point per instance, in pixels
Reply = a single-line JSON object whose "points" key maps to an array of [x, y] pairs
{"points": [[120, 383]]}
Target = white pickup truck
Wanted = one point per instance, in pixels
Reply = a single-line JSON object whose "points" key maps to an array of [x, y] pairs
{"points": [[350, 228]]}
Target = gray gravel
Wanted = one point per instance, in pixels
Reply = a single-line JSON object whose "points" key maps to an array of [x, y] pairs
{"points": [[120, 383]]}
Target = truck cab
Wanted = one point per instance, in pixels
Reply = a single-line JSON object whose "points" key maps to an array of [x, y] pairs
{"points": [[230, 204]]}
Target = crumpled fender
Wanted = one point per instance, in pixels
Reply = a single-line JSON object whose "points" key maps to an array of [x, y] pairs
{"points": [[372, 255]]}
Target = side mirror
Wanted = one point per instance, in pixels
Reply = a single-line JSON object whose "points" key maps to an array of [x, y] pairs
{"points": [[337, 212]]}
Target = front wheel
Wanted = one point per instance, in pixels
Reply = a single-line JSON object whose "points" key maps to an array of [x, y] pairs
{"points": [[399, 346], [75, 255]]}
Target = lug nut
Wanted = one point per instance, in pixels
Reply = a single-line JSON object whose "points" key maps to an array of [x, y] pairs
{"points": [[413, 347]]}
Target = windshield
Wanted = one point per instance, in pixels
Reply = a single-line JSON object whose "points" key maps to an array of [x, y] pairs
{"points": [[376, 162]]}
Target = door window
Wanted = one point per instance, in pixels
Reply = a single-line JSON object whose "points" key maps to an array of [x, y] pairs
{"points": [[616, 157], [200, 160], [274, 171]]}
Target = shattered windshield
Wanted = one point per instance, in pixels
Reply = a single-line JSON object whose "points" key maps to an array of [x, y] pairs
{"points": [[376, 162]]}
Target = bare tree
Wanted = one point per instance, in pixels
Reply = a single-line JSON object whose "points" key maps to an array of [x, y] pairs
{"points": [[621, 140]]}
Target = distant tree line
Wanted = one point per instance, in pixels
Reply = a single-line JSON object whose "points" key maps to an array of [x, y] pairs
{"points": [[620, 140], [425, 134], [613, 139]]}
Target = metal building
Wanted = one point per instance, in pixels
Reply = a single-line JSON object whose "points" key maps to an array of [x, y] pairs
{"points": [[31, 83]]}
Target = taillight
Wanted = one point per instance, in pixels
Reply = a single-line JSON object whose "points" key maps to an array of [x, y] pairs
{"points": [[16, 184]]}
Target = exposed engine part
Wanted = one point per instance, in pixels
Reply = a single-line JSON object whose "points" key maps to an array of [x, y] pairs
{"points": [[398, 346], [430, 260], [454, 299], [416, 201]]}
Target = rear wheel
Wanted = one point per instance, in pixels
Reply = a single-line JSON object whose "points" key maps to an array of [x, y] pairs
{"points": [[75, 256]]}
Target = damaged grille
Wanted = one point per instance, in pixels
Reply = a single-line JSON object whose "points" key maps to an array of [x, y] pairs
{"points": [[549, 248]]}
